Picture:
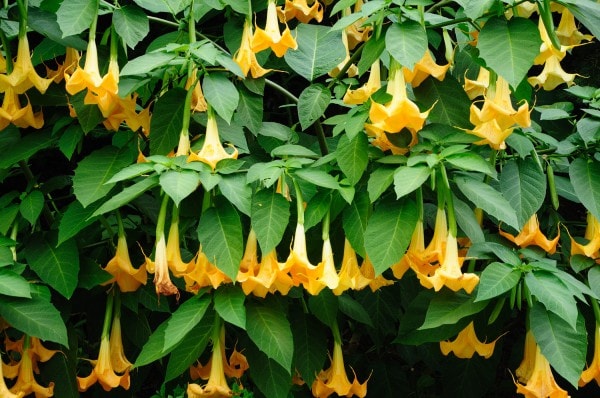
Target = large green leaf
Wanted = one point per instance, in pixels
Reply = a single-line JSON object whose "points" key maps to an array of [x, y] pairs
{"points": [[35, 317], [470, 161], [269, 217], [585, 177], [148, 63], [13, 284], [75, 16], [496, 278], [92, 173], [57, 266], [553, 294], [355, 221], [310, 345], [184, 319], [270, 377], [131, 23], [270, 330], [220, 236], [407, 179], [221, 94], [447, 308], [235, 188], [250, 110], [523, 184], [24, 148], [312, 103], [475, 8], [565, 347], [169, 6], [406, 42], [490, 200], [389, 231], [354, 310], [127, 195], [324, 306], [379, 181], [179, 184], [31, 206], [317, 208], [509, 47], [167, 121], [447, 100], [319, 51], [229, 304], [353, 156]]}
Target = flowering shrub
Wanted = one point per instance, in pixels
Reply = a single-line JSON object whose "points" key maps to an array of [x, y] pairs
{"points": [[291, 198]]}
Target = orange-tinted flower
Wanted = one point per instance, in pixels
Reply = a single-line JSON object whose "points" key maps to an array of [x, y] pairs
{"points": [[67, 67], [88, 77], [476, 88], [414, 253], [204, 274], [212, 151], [119, 362], [12, 112], [300, 10], [128, 278], [567, 31], [593, 370], [4, 391], [271, 37], [234, 367], [299, 266], [592, 234], [423, 69], [26, 383], [198, 100], [350, 276], [364, 92], [177, 266], [37, 352], [23, 76], [335, 380], [541, 382], [352, 69], [368, 271], [357, 32], [246, 57], [531, 235], [103, 371], [160, 268], [525, 369], [466, 344]]}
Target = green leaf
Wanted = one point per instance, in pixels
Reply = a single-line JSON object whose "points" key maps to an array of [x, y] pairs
{"points": [[475, 8], [352, 156], [221, 94], [131, 23], [75, 16], [184, 319], [407, 179], [88, 116], [220, 235], [317, 208], [170, 6], [190, 348], [237, 191], [324, 306], [36, 317], [490, 200], [354, 310], [69, 140], [310, 345], [153, 348], [553, 294], [24, 148], [44, 22], [319, 51], [371, 52], [31, 206], [250, 110], [389, 232], [447, 308], [406, 42], [509, 47], [13, 284], [132, 171], [179, 184], [270, 330], [57, 266], [467, 222], [146, 64], [312, 103], [355, 222], [270, 377], [471, 161], [269, 217], [317, 177], [167, 121], [127, 195], [379, 181], [293, 150], [523, 184], [229, 304], [7, 216], [496, 278], [447, 100], [585, 177], [92, 173], [594, 279], [563, 346]]}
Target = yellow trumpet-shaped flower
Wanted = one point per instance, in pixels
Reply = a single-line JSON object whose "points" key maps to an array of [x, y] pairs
{"points": [[541, 382], [593, 370], [477, 87], [368, 271], [37, 352], [124, 274], [329, 277], [299, 266], [496, 119], [4, 391], [26, 383], [552, 76], [352, 69], [357, 32], [531, 235], [198, 101], [67, 67], [23, 76], [204, 274], [414, 253], [88, 77], [423, 69], [271, 37], [160, 268], [234, 367], [245, 57], [592, 234], [364, 92], [350, 276], [335, 380], [525, 369], [567, 31], [177, 266], [104, 371], [466, 344], [12, 112], [119, 362], [212, 151], [300, 10]]}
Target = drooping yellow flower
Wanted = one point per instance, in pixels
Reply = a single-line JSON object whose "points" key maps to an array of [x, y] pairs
{"points": [[364, 92], [119, 362], [531, 235], [350, 276], [234, 367], [466, 344], [352, 69], [23, 76], [541, 382], [4, 391], [477, 87], [552, 76], [593, 370], [212, 151], [12, 112], [160, 268], [414, 253], [368, 271], [245, 57], [271, 37], [329, 277], [67, 67], [88, 77], [198, 101], [357, 32], [496, 119], [592, 234], [423, 69], [204, 274], [26, 383], [103, 371], [124, 274], [177, 266], [567, 31], [525, 369], [300, 10], [37, 352], [335, 380], [300, 267]]}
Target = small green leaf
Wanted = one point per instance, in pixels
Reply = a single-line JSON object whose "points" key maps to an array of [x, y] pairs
{"points": [[447, 308], [467, 222], [553, 294], [88, 116], [69, 140], [310, 345], [31, 206], [475, 8], [379, 181], [407, 179], [317, 177], [132, 171], [354, 310], [146, 64], [127, 195], [269, 217], [324, 306], [131, 23], [184, 319], [270, 330], [229, 304], [406, 42], [24, 148], [352, 156], [496, 278], [585, 177], [221, 94], [75, 16], [471, 161], [312, 103], [179, 184], [237, 191], [523, 184], [250, 110], [355, 222], [293, 150], [13, 284], [220, 235], [447, 100], [167, 121]]}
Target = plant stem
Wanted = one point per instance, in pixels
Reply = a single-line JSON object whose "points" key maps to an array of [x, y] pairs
{"points": [[108, 315]]}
